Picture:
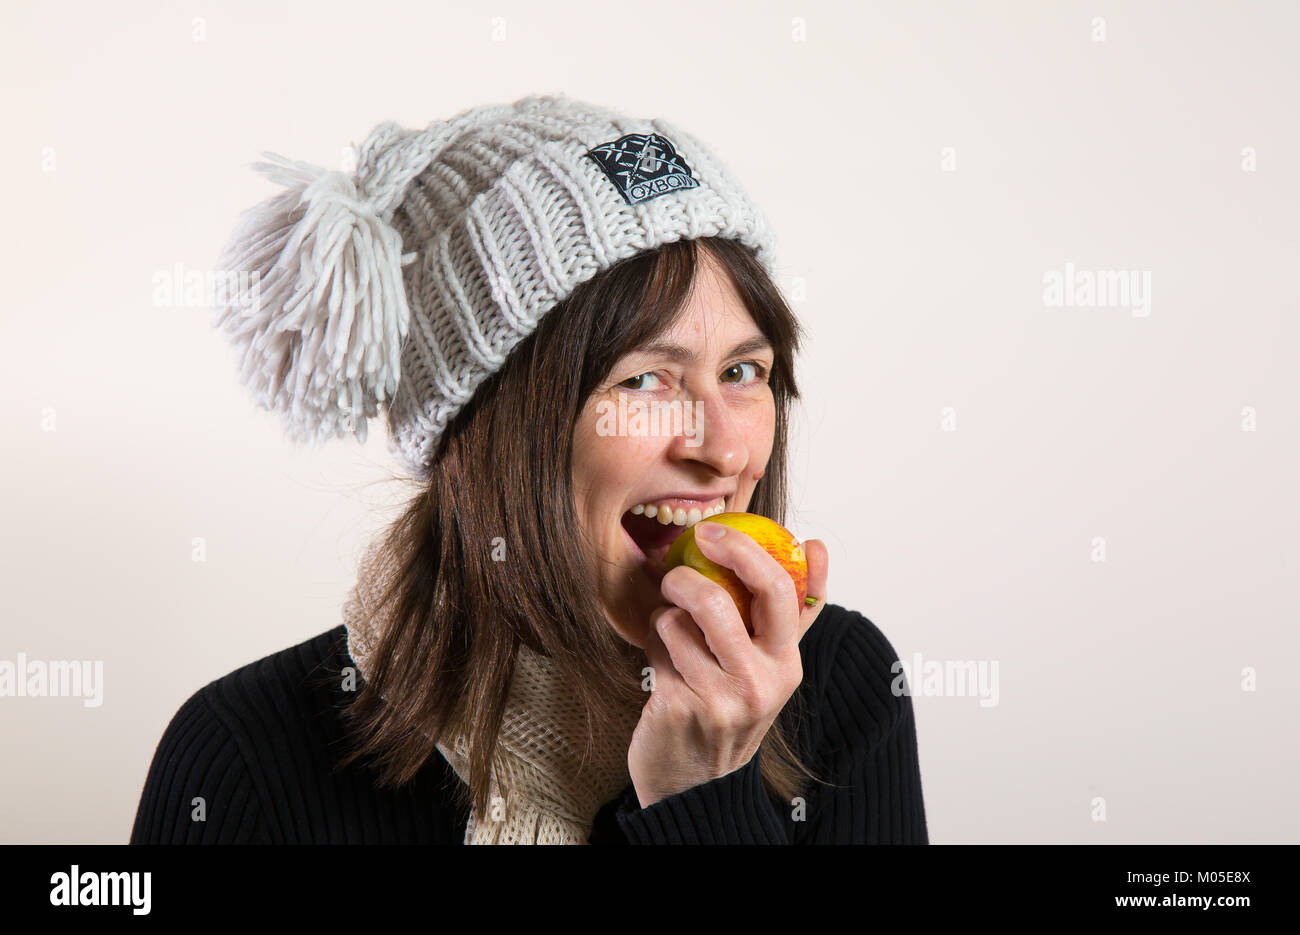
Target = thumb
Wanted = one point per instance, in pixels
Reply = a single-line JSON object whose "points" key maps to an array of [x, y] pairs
{"points": [[818, 570]]}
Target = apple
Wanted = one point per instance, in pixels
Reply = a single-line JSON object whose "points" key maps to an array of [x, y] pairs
{"points": [[779, 542]]}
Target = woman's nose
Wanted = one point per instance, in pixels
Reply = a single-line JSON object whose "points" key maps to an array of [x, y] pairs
{"points": [[712, 435]]}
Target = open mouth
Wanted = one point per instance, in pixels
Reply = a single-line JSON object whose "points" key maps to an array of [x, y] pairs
{"points": [[654, 527]]}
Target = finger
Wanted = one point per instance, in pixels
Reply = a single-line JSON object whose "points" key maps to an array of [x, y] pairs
{"points": [[774, 610], [715, 615], [687, 648], [818, 572], [660, 659]]}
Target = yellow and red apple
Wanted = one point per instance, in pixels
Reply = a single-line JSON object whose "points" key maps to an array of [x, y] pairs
{"points": [[779, 542]]}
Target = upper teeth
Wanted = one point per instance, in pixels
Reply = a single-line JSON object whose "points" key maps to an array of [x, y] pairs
{"points": [[681, 516]]}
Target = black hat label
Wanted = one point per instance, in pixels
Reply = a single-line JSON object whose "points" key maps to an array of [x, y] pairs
{"points": [[643, 166]]}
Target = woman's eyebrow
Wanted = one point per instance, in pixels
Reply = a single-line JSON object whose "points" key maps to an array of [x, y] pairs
{"points": [[684, 355]]}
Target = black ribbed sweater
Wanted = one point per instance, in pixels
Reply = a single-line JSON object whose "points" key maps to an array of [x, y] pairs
{"points": [[257, 746]]}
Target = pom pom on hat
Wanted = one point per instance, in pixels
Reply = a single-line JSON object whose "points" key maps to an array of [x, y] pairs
{"points": [[321, 326]]}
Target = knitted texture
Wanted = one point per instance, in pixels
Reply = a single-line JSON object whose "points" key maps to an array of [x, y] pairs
{"points": [[541, 792], [407, 282]]}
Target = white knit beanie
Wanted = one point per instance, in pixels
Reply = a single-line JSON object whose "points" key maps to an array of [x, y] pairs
{"points": [[409, 280]]}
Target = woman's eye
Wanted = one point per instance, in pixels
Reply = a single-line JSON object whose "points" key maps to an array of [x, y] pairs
{"points": [[626, 384], [758, 369]]}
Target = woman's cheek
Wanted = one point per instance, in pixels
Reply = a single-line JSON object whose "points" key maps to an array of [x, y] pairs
{"points": [[760, 430]]}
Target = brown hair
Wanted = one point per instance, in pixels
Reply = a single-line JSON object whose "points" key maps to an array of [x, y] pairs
{"points": [[502, 469]]}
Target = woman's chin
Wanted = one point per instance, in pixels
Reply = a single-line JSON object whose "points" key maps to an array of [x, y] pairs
{"points": [[637, 588], [632, 626], [636, 594], [636, 637]]}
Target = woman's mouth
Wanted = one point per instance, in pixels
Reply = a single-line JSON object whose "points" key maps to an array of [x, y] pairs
{"points": [[653, 527]]}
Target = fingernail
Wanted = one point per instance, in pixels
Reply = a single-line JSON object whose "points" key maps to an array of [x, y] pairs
{"points": [[710, 531]]}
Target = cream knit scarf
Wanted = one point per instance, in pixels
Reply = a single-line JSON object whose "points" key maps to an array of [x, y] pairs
{"points": [[538, 793]]}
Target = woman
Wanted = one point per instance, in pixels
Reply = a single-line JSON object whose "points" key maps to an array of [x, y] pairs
{"points": [[514, 664]]}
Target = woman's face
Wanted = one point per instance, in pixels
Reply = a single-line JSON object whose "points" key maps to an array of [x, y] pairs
{"points": [[681, 425]]}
